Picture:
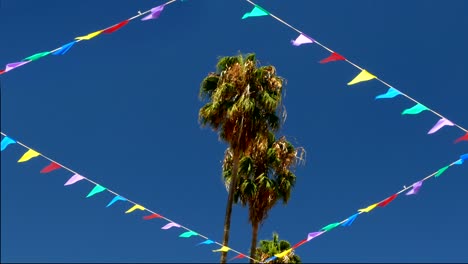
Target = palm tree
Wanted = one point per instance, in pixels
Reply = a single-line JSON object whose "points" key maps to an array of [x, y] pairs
{"points": [[242, 105], [268, 248], [265, 177]]}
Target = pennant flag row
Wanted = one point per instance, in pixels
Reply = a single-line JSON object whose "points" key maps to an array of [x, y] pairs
{"points": [[154, 13], [97, 189], [350, 220], [363, 76]]}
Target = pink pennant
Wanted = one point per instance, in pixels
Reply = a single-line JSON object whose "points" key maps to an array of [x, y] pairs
{"points": [[302, 39], [74, 179], [171, 224], [442, 122]]}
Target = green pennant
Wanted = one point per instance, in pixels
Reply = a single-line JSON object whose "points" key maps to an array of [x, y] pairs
{"points": [[37, 56], [257, 11], [97, 189], [440, 171], [415, 110], [330, 227]]}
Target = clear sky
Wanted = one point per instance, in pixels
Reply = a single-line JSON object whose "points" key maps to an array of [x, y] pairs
{"points": [[122, 109]]}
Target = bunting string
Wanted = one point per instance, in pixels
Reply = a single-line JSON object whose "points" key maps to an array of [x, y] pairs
{"points": [[415, 187], [152, 13], [54, 165], [363, 76]]}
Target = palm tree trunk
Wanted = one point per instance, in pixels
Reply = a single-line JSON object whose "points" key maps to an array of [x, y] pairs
{"points": [[253, 244], [230, 201]]}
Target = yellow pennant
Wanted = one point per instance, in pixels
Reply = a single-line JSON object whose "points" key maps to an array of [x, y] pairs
{"points": [[283, 254], [89, 36], [28, 155], [368, 208], [361, 77], [136, 206], [222, 249]]}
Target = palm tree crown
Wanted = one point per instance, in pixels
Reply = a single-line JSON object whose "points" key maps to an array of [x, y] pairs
{"points": [[268, 248], [242, 105]]}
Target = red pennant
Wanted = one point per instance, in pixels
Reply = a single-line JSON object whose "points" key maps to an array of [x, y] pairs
{"points": [[52, 166], [148, 217], [333, 57], [115, 27], [300, 243], [2, 71], [463, 138], [388, 200], [239, 256]]}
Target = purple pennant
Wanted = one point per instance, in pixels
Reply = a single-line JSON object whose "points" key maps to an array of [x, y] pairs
{"points": [[416, 188], [11, 66], [74, 179], [171, 224], [302, 39], [442, 122], [314, 235], [155, 13]]}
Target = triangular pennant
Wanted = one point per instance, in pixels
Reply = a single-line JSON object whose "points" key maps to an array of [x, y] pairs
{"points": [[368, 208], [329, 227], [464, 157], [11, 66], [240, 256], [116, 198], [313, 235], [155, 13], [2, 72], [5, 142], [441, 123], [135, 207], [463, 138], [392, 92], [256, 11], [188, 234], [222, 249], [283, 254], [418, 108], [270, 259], [416, 187], [362, 77], [206, 242], [51, 167], [115, 27], [461, 160], [388, 200], [149, 217], [333, 57], [28, 155], [37, 56], [97, 189], [303, 241], [302, 39], [74, 179], [89, 36], [171, 224], [64, 49], [440, 171], [350, 220]]}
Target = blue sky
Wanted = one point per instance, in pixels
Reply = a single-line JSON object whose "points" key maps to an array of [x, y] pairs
{"points": [[121, 109]]}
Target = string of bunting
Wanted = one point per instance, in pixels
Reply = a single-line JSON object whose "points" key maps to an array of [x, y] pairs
{"points": [[363, 76], [152, 13], [98, 188], [415, 188]]}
